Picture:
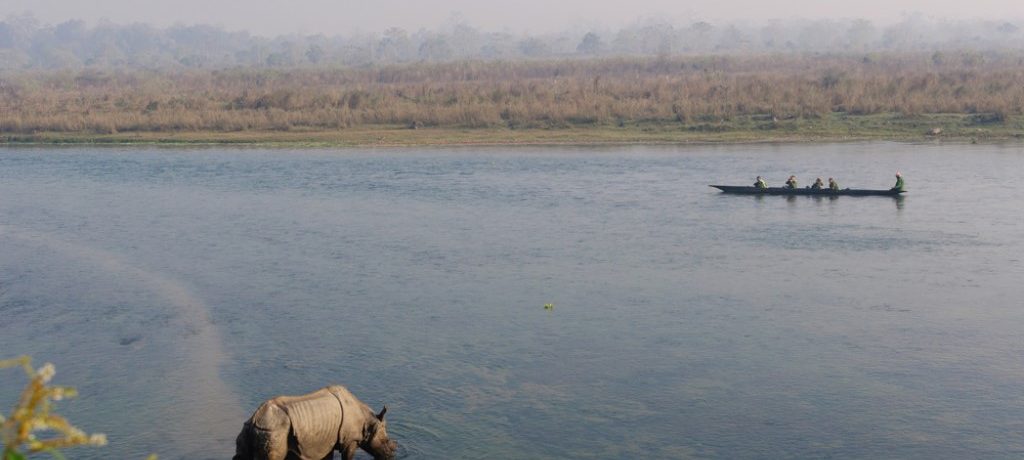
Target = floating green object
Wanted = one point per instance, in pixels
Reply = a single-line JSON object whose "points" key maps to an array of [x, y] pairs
{"points": [[549, 306]]}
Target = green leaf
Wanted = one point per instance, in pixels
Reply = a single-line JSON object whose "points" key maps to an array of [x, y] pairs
{"points": [[12, 455]]}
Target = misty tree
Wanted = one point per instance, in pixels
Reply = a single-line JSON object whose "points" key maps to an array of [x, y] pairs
{"points": [[288, 54], [55, 57], [315, 53], [732, 38], [7, 36], [701, 33], [106, 47], [1008, 28], [435, 48], [773, 35], [395, 46], [656, 38], [251, 55], [819, 36], [25, 43], [464, 39], [358, 50], [591, 44], [972, 58], [18, 30], [196, 61], [626, 41], [561, 44], [906, 33], [71, 31], [533, 47], [12, 59], [860, 35], [278, 59], [498, 46], [24, 24]]}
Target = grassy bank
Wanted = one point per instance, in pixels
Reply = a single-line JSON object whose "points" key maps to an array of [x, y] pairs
{"points": [[834, 127], [792, 97]]}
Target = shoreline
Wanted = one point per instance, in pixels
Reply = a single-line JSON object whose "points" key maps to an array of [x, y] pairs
{"points": [[423, 137]]}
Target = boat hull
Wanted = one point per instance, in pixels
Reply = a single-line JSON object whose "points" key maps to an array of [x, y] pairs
{"points": [[747, 190]]}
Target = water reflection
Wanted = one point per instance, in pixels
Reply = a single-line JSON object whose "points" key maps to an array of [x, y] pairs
{"points": [[832, 200], [899, 202]]}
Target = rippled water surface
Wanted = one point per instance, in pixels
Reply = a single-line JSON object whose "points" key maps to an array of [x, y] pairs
{"points": [[179, 288]]}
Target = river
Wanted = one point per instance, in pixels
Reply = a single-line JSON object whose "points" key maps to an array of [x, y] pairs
{"points": [[179, 288]]}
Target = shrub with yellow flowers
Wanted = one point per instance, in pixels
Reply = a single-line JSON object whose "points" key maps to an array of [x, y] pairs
{"points": [[24, 431]]}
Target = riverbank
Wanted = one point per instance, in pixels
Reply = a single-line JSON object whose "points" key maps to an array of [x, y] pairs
{"points": [[834, 128], [682, 99]]}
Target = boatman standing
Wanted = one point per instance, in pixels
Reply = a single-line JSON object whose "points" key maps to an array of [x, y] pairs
{"points": [[899, 183], [791, 182], [833, 185], [761, 184]]}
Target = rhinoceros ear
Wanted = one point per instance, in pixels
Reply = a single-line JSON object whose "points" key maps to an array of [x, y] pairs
{"points": [[383, 411]]}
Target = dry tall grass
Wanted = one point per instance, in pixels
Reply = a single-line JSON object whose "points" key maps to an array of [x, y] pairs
{"points": [[556, 93]]}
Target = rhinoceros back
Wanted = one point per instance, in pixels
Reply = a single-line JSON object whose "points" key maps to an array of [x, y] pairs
{"points": [[315, 421]]}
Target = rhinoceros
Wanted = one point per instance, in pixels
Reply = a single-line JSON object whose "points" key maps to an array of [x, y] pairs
{"points": [[312, 427]]}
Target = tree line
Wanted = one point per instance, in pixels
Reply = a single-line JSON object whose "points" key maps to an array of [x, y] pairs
{"points": [[25, 43]]}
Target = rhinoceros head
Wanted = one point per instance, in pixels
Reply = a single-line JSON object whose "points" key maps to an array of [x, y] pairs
{"points": [[377, 443]]}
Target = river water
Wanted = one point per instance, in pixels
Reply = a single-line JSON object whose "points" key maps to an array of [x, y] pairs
{"points": [[179, 288]]}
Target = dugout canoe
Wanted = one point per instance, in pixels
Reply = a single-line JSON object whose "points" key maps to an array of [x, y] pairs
{"points": [[749, 190]]}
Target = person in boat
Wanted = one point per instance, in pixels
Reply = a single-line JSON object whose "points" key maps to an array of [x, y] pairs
{"points": [[818, 184], [899, 183], [833, 185], [761, 184], [791, 182]]}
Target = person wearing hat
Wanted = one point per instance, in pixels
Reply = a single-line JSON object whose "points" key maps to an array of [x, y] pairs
{"points": [[791, 182], [761, 184], [833, 185], [818, 184], [899, 183]]}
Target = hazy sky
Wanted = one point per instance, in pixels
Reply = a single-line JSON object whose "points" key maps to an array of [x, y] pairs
{"points": [[269, 17]]}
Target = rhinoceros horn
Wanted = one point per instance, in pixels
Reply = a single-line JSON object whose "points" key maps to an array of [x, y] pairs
{"points": [[383, 411]]}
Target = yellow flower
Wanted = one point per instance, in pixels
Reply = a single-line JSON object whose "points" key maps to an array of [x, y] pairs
{"points": [[76, 435], [46, 372], [37, 424]]}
